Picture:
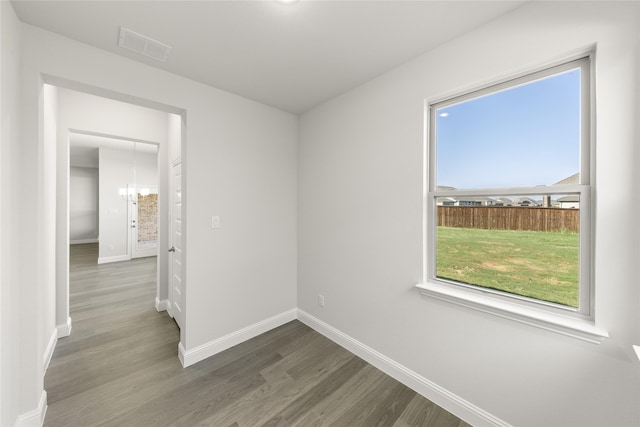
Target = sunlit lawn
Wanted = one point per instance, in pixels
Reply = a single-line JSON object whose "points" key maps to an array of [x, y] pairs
{"points": [[541, 265]]}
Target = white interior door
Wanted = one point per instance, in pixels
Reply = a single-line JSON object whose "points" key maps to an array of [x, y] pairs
{"points": [[176, 289], [143, 221]]}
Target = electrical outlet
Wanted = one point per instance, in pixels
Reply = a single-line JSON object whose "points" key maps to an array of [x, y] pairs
{"points": [[321, 300]]}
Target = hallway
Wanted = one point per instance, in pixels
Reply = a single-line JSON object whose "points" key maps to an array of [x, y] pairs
{"points": [[120, 367], [119, 345]]}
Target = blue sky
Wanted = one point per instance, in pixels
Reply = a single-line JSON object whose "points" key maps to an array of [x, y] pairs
{"points": [[524, 136]]}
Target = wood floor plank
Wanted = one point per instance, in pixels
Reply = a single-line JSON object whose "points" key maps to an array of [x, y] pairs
{"points": [[424, 413], [281, 388], [318, 354], [185, 405], [327, 412], [106, 401], [307, 401], [85, 375], [120, 368], [389, 409], [370, 409], [418, 413]]}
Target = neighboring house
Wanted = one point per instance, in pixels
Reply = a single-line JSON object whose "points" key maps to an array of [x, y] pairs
{"points": [[503, 201], [467, 201], [573, 179], [446, 201], [464, 201], [525, 202], [475, 201], [569, 202]]}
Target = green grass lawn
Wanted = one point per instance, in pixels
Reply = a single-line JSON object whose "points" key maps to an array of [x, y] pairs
{"points": [[541, 265]]}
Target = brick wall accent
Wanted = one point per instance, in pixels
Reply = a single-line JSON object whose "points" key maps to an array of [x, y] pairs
{"points": [[147, 218]]}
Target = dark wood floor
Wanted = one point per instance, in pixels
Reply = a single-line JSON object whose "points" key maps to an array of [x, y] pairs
{"points": [[120, 368]]}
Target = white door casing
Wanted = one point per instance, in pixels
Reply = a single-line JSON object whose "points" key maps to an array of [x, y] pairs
{"points": [[176, 289]]}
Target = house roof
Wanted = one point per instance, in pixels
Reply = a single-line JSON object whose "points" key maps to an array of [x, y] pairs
{"points": [[573, 179], [473, 199], [521, 200], [570, 198], [504, 200]]}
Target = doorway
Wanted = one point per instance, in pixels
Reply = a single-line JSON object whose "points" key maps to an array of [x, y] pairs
{"points": [[111, 118], [123, 193], [143, 221]]}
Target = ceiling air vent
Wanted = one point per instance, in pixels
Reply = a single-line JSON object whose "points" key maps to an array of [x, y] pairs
{"points": [[143, 45]]}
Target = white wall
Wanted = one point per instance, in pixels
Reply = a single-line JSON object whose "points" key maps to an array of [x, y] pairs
{"points": [[11, 344], [118, 169], [175, 136], [239, 161], [47, 210], [83, 204], [27, 237], [115, 171], [146, 167], [360, 225]]}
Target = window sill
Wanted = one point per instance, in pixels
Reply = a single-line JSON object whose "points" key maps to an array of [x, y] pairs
{"points": [[575, 328]]}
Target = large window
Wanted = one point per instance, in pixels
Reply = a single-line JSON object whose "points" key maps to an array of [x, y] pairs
{"points": [[508, 192]]}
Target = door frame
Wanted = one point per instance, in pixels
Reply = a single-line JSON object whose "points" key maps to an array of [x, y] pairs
{"points": [[60, 198], [178, 313], [62, 230]]}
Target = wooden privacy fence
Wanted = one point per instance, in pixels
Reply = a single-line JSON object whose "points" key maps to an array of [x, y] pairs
{"points": [[509, 218]]}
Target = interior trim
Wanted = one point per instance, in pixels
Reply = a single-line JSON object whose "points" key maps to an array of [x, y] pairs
{"points": [[442, 397], [201, 352]]}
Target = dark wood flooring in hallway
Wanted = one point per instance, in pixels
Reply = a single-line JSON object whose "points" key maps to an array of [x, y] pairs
{"points": [[120, 368]]}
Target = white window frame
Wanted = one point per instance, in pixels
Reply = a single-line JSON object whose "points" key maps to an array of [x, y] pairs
{"points": [[578, 323]]}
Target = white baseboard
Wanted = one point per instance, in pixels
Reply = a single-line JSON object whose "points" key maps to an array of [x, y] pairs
{"points": [[82, 241], [64, 330], [194, 355], [451, 402], [163, 305], [181, 353], [439, 395], [48, 352], [118, 258], [34, 418]]}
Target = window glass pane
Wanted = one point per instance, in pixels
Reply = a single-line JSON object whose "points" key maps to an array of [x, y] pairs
{"points": [[527, 246], [523, 136]]}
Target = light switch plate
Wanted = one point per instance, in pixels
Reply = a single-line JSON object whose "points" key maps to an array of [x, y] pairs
{"points": [[215, 221]]}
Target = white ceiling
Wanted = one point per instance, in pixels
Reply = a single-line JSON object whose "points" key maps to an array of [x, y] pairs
{"points": [[83, 148], [290, 56]]}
